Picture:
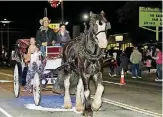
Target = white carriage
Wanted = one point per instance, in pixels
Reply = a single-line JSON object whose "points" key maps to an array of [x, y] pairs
{"points": [[52, 62]]}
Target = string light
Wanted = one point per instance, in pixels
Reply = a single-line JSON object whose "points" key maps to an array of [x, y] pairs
{"points": [[54, 3]]}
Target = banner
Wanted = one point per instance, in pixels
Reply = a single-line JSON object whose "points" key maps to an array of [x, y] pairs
{"points": [[150, 16], [54, 26]]}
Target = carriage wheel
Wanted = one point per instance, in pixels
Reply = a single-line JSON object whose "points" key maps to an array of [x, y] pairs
{"points": [[37, 89], [16, 81]]}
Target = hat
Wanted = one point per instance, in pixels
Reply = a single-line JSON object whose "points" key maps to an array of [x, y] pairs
{"points": [[44, 19]]}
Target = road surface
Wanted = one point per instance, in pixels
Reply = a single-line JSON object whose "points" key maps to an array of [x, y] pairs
{"points": [[130, 100]]}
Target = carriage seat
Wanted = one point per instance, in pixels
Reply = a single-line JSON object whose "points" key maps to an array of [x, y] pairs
{"points": [[53, 52]]}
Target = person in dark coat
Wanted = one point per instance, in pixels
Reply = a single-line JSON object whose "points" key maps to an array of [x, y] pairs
{"points": [[124, 62], [63, 35], [45, 36]]}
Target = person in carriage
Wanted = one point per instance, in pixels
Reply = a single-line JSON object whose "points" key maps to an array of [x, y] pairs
{"points": [[45, 36], [31, 49], [63, 35]]}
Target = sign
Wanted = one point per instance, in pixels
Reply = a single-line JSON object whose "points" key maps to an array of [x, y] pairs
{"points": [[118, 38], [54, 26], [150, 16]]}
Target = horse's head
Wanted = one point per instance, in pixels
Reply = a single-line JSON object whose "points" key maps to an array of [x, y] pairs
{"points": [[98, 26]]}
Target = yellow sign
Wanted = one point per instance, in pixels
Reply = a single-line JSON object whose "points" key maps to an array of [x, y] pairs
{"points": [[118, 38], [54, 26], [150, 16]]}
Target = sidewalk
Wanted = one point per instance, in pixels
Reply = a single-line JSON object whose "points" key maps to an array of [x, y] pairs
{"points": [[147, 79]]}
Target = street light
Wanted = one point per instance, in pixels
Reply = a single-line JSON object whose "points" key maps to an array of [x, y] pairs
{"points": [[66, 23], [6, 22], [85, 17]]}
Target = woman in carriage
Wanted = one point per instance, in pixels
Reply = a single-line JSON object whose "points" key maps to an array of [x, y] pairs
{"points": [[32, 49], [63, 35]]}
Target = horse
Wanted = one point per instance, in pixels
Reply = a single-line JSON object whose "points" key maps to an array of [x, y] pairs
{"points": [[84, 57]]}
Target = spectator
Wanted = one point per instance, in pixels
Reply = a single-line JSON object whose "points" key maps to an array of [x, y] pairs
{"points": [[123, 62], [115, 64], [111, 67], [135, 59], [149, 52], [140, 69], [158, 59], [148, 63]]}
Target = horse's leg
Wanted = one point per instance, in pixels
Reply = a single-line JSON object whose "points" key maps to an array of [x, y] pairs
{"points": [[80, 96], [88, 110], [67, 99], [97, 101]]}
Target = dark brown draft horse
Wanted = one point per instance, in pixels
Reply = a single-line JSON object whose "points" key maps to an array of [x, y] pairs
{"points": [[84, 55]]}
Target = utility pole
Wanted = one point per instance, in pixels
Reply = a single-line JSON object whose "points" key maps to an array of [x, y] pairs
{"points": [[62, 11], [45, 12], [8, 38], [1, 37]]}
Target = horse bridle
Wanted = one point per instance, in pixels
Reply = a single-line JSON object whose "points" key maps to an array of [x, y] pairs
{"points": [[95, 35]]}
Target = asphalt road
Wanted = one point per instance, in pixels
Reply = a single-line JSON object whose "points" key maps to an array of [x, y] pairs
{"points": [[130, 100]]}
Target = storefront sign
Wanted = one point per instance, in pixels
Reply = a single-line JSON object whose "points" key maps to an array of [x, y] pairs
{"points": [[118, 38], [150, 16]]}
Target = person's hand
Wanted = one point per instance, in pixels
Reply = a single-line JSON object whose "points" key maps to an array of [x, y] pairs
{"points": [[53, 42], [44, 44]]}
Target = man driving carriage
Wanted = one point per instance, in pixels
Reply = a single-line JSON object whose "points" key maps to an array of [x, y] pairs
{"points": [[45, 36]]}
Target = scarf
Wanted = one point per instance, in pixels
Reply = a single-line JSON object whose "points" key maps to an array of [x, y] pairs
{"points": [[43, 28]]}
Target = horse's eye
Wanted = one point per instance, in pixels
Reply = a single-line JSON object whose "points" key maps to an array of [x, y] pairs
{"points": [[100, 22]]}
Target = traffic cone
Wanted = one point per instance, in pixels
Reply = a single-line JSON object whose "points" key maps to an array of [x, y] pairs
{"points": [[122, 80]]}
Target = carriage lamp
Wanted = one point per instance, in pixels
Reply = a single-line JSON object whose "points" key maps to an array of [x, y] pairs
{"points": [[43, 81]]}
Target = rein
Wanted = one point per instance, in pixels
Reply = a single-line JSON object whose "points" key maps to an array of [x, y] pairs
{"points": [[83, 51]]}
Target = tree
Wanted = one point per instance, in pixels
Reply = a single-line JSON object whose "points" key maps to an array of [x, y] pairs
{"points": [[129, 13], [128, 16]]}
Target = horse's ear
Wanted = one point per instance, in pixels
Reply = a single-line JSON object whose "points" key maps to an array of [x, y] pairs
{"points": [[91, 13]]}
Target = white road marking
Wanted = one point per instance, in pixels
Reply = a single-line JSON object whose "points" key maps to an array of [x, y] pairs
{"points": [[34, 107], [10, 75], [132, 108], [112, 82], [2, 81], [4, 112]]}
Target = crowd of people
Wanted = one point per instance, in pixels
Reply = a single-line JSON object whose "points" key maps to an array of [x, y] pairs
{"points": [[4, 56], [149, 58]]}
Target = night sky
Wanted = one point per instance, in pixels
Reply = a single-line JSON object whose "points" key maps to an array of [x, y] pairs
{"points": [[26, 15]]}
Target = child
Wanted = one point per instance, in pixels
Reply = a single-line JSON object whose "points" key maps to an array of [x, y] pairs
{"points": [[32, 48], [148, 64]]}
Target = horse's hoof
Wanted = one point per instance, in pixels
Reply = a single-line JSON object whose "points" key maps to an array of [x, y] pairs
{"points": [[79, 108], [68, 106], [95, 106], [88, 113]]}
